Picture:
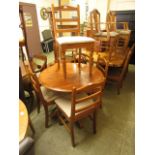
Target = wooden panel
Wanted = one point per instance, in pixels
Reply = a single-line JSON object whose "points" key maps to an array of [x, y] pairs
{"points": [[31, 28]]}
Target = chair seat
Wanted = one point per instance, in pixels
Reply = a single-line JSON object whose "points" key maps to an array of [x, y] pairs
{"points": [[48, 94], [64, 103], [116, 60], [25, 145], [112, 34], [74, 40], [123, 31]]}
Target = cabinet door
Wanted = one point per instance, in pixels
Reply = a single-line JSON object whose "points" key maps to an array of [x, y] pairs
{"points": [[31, 28]]}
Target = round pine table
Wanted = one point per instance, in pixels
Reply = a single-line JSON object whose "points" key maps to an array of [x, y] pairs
{"points": [[23, 120], [53, 78]]}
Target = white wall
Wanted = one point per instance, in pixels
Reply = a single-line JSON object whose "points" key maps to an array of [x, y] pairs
{"points": [[122, 5], [101, 5]]}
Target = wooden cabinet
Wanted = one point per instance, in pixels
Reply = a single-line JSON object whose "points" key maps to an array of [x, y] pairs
{"points": [[31, 28]]}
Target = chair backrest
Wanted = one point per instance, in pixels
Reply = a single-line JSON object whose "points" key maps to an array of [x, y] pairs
{"points": [[111, 18], [103, 65], [95, 23], [126, 63], [95, 20], [47, 34], [89, 101], [36, 85], [99, 31], [66, 19]]}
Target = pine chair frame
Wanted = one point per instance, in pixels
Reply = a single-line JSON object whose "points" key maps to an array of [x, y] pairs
{"points": [[40, 97], [123, 39], [111, 19], [77, 114], [60, 49], [103, 65], [122, 71], [95, 27]]}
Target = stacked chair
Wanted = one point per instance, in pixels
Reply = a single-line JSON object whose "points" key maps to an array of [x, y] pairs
{"points": [[66, 28]]}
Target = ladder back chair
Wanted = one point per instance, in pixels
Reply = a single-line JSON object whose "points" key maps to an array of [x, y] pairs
{"points": [[101, 35], [103, 65], [116, 75], [78, 105], [66, 22], [100, 32], [44, 96], [124, 32]]}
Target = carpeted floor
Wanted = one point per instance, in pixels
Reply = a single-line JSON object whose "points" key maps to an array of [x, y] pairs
{"points": [[115, 126]]}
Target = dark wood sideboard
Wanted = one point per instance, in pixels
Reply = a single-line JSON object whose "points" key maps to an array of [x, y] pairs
{"points": [[128, 16]]}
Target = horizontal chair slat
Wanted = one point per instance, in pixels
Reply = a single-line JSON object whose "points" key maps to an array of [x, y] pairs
{"points": [[67, 20], [67, 30], [86, 107], [65, 8], [88, 97]]}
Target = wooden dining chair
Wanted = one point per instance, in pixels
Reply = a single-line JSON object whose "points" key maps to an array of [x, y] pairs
{"points": [[103, 64], [120, 27], [66, 27], [38, 62], [78, 105], [100, 32], [116, 75], [45, 96]]}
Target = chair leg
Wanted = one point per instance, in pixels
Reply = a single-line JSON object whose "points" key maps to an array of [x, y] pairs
{"points": [[118, 87], [101, 105], [38, 104], [46, 117], [32, 99], [58, 114], [118, 90], [31, 126], [94, 122], [72, 133]]}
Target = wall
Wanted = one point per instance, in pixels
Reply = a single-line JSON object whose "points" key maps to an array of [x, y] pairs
{"points": [[101, 5], [122, 5]]}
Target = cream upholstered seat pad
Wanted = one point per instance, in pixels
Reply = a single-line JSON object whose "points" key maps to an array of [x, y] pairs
{"points": [[74, 39], [123, 31], [112, 34], [48, 94], [64, 103]]}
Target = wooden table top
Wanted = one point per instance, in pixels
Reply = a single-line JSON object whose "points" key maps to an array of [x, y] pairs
{"points": [[53, 79], [23, 120]]}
